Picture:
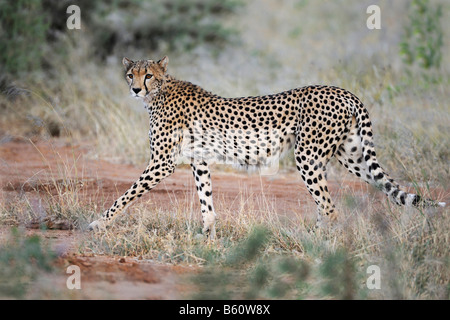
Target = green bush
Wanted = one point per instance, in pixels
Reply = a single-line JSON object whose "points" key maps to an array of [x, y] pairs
{"points": [[22, 259], [117, 25], [423, 39], [338, 272], [23, 29], [249, 272], [32, 29]]}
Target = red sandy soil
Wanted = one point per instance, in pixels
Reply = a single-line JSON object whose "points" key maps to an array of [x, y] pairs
{"points": [[26, 168], [104, 277], [31, 168]]}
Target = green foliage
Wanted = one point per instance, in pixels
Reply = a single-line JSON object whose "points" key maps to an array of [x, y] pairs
{"points": [[30, 29], [249, 272], [411, 267], [119, 25], [23, 29], [21, 261], [338, 272], [249, 249], [423, 39]]}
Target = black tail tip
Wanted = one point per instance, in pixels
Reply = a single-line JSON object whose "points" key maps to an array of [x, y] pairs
{"points": [[418, 201]]}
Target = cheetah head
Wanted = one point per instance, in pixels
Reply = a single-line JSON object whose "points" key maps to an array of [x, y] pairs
{"points": [[145, 77]]}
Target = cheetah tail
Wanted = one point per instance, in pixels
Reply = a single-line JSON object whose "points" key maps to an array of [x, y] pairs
{"points": [[379, 178]]}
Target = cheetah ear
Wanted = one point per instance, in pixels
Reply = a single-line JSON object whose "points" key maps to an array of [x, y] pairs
{"points": [[163, 63], [127, 63]]}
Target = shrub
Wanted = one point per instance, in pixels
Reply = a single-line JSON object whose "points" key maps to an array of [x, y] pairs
{"points": [[151, 24], [21, 260], [32, 29], [23, 28], [423, 39]]}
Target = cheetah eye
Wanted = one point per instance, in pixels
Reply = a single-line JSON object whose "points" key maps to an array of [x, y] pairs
{"points": [[148, 76], [130, 76]]}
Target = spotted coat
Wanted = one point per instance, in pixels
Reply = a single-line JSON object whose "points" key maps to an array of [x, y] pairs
{"points": [[188, 122]]}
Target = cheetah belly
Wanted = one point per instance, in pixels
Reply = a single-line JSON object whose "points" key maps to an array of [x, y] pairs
{"points": [[240, 148]]}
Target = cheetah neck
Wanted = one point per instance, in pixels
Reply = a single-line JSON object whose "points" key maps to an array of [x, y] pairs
{"points": [[172, 86], [155, 99]]}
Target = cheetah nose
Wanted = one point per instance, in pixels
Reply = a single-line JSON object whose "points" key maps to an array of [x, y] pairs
{"points": [[137, 90]]}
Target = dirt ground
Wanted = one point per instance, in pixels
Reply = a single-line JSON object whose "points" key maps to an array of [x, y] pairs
{"points": [[27, 168]]}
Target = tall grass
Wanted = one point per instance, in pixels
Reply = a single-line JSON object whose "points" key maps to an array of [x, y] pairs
{"points": [[266, 256], [263, 256]]}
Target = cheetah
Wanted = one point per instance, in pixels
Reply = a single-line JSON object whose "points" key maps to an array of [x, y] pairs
{"points": [[318, 121]]}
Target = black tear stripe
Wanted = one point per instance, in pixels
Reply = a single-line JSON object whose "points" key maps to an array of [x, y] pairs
{"points": [[146, 90], [145, 85]]}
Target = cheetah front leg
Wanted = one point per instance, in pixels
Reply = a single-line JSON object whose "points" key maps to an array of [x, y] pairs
{"points": [[202, 179], [153, 174]]}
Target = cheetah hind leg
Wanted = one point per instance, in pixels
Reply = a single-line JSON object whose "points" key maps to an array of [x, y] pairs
{"points": [[314, 176], [350, 155]]}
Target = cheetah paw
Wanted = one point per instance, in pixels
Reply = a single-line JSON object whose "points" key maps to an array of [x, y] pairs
{"points": [[209, 233], [97, 226]]}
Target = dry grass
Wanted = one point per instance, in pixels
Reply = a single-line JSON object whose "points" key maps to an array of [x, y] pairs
{"points": [[411, 247]]}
